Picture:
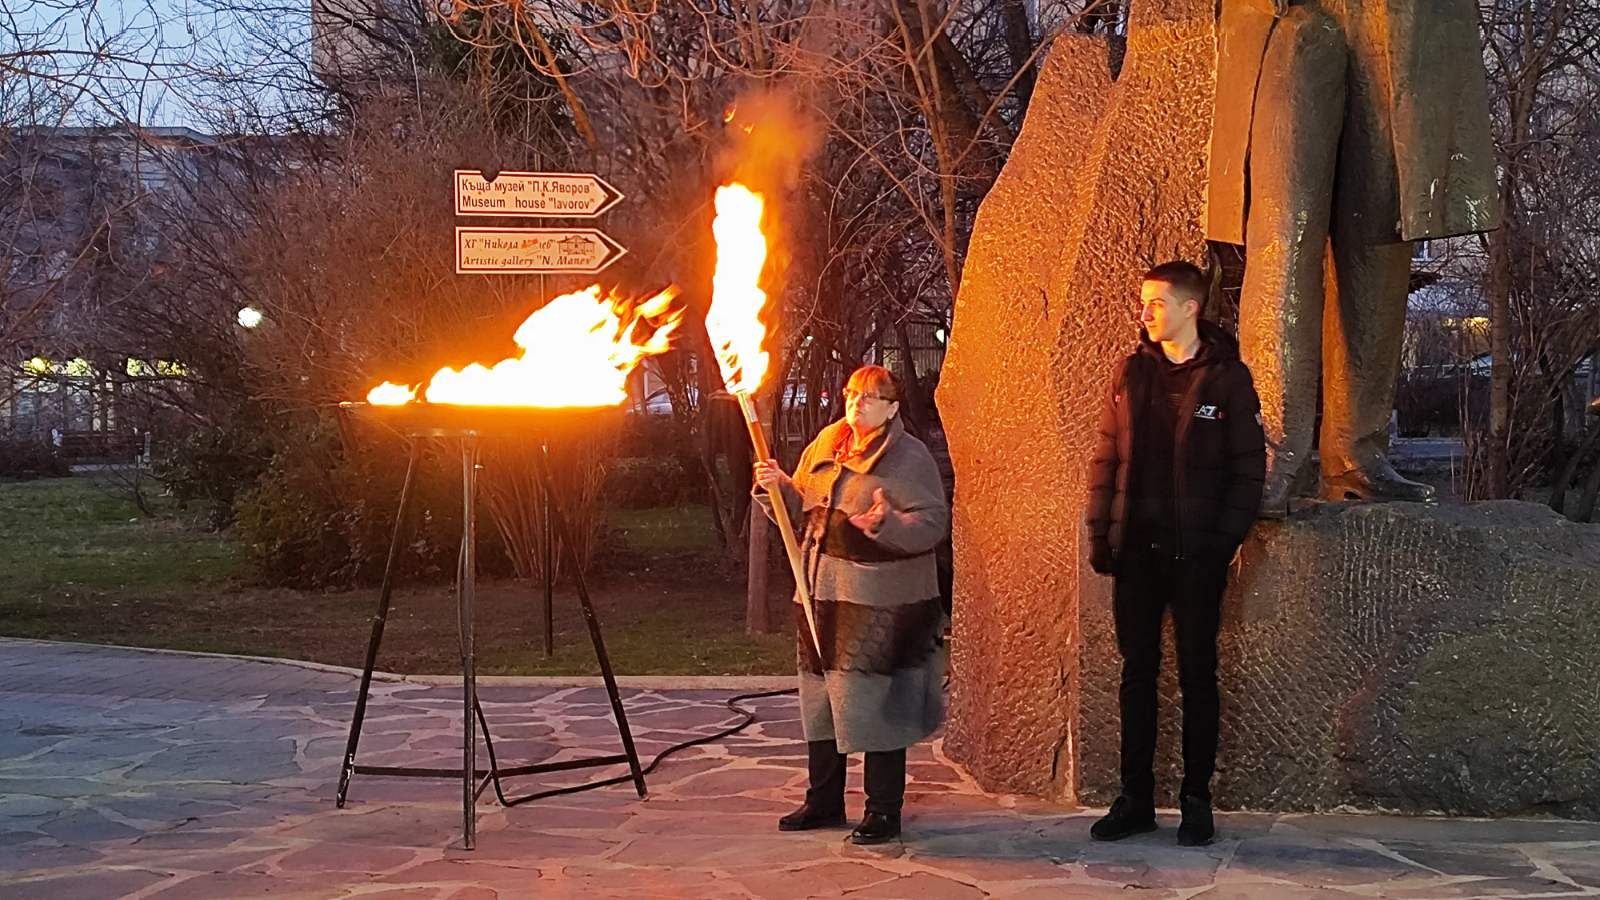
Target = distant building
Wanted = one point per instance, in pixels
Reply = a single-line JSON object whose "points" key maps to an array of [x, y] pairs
{"points": [[84, 220], [1447, 330]]}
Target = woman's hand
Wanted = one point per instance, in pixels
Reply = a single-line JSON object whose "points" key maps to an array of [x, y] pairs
{"points": [[872, 520], [769, 476]]}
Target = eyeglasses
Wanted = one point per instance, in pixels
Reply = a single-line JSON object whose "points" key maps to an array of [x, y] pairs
{"points": [[850, 395]]}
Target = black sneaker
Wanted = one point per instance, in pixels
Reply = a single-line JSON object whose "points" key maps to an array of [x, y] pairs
{"points": [[807, 818], [1197, 828], [876, 828], [1127, 817]]}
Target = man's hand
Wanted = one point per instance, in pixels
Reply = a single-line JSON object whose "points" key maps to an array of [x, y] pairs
{"points": [[1220, 554], [872, 520], [769, 476], [1101, 559]]}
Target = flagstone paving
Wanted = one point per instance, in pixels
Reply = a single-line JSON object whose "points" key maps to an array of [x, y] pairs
{"points": [[127, 773]]}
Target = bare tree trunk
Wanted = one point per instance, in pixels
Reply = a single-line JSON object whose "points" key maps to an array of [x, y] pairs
{"points": [[815, 385], [913, 379], [1558, 416], [954, 127], [1019, 44], [756, 620], [1500, 326], [722, 439]]}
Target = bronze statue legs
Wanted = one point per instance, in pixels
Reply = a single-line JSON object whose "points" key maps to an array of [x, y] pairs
{"points": [[1324, 293]]}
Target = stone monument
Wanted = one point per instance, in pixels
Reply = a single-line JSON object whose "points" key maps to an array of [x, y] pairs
{"points": [[1396, 656]]}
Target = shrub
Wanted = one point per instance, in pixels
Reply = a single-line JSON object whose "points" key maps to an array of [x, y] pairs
{"points": [[514, 493], [648, 482], [657, 465], [23, 458], [322, 513], [1428, 406], [213, 466]]}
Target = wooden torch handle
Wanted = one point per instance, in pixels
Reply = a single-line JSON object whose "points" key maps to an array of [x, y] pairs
{"points": [[780, 512]]}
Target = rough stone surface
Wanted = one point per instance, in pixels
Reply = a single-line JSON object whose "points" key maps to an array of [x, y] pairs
{"points": [[1399, 657], [1105, 180], [260, 833]]}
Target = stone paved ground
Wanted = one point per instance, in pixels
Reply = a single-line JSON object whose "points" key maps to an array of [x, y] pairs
{"points": [[124, 773]]}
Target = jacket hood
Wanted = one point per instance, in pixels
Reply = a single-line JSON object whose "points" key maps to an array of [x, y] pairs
{"points": [[1216, 345]]}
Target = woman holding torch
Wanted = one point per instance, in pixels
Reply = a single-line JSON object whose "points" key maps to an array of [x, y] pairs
{"points": [[873, 509]]}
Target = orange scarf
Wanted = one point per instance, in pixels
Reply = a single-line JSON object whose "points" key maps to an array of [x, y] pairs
{"points": [[844, 444]]}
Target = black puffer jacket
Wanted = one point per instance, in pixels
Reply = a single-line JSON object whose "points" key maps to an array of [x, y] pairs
{"points": [[1219, 461]]}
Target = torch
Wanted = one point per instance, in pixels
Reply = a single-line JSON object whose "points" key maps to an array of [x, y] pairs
{"points": [[734, 325]]}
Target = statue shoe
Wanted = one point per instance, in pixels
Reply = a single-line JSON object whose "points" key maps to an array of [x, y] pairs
{"points": [[1377, 481], [1275, 499], [1281, 484]]}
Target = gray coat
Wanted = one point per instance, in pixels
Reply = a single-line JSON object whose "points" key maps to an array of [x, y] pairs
{"points": [[879, 682]]}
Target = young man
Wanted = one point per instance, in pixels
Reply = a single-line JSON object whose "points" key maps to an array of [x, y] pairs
{"points": [[1174, 485]]}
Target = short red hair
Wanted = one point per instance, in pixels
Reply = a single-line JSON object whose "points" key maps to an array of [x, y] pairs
{"points": [[874, 379]]}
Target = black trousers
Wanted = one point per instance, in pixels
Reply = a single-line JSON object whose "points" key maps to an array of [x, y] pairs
{"points": [[1148, 582], [885, 778]]}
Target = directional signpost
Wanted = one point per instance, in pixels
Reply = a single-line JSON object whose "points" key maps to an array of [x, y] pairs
{"points": [[534, 251], [544, 194]]}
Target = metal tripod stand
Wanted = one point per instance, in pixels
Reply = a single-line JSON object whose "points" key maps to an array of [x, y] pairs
{"points": [[475, 780]]}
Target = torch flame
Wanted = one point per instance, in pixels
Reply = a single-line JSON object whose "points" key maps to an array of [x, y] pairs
{"points": [[737, 300], [577, 350]]}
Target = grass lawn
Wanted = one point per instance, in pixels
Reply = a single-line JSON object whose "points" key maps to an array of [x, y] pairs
{"points": [[79, 563]]}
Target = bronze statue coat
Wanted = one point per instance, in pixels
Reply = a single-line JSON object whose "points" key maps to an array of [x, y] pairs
{"points": [[1437, 114], [879, 683]]}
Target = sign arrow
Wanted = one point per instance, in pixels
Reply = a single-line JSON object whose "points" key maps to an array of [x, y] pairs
{"points": [[534, 251], [564, 195]]}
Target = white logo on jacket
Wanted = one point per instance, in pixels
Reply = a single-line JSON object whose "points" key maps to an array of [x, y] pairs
{"points": [[1208, 411]]}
